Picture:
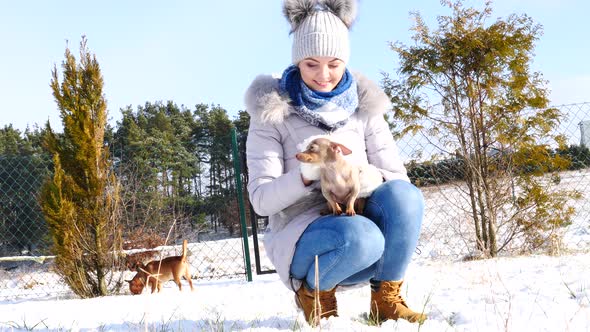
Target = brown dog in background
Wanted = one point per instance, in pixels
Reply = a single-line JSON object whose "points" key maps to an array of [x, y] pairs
{"points": [[339, 179], [155, 273]]}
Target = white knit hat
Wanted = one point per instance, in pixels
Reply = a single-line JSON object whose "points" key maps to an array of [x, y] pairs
{"points": [[320, 27]]}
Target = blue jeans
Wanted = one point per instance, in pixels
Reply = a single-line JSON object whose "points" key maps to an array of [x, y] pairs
{"points": [[354, 249]]}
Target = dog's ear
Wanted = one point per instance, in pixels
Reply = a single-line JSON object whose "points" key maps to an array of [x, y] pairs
{"points": [[337, 147]]}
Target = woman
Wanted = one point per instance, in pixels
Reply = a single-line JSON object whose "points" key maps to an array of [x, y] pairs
{"points": [[318, 95]]}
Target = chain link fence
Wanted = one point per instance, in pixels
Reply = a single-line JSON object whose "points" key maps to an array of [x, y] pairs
{"points": [[24, 240], [154, 223], [211, 223], [448, 231]]}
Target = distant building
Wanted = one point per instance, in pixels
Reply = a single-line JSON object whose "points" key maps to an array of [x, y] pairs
{"points": [[585, 133]]}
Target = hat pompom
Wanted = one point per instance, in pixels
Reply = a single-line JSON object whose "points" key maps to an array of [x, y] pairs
{"points": [[344, 9], [297, 10]]}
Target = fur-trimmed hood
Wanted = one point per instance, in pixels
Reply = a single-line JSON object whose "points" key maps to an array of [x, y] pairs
{"points": [[265, 103]]}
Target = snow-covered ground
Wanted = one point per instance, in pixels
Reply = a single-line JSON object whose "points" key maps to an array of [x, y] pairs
{"points": [[525, 293], [535, 293]]}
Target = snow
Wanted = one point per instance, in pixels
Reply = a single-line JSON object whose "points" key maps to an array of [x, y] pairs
{"points": [[522, 293], [534, 293]]}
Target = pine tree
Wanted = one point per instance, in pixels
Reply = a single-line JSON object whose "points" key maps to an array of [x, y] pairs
{"points": [[468, 87], [80, 202]]}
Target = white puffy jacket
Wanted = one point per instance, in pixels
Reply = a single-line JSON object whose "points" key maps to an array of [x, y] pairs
{"points": [[275, 187]]}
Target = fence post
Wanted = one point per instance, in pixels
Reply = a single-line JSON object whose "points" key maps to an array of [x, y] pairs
{"points": [[585, 133], [238, 177]]}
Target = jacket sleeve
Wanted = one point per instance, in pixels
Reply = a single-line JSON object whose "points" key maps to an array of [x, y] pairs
{"points": [[382, 151], [271, 189]]}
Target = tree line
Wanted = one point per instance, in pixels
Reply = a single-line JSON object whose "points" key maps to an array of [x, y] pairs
{"points": [[174, 164]]}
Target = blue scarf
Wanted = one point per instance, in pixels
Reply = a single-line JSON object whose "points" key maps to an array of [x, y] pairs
{"points": [[327, 110]]}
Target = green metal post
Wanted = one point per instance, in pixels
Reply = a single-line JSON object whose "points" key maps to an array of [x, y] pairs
{"points": [[238, 176]]}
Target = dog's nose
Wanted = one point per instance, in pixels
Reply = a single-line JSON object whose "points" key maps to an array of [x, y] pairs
{"points": [[302, 156]]}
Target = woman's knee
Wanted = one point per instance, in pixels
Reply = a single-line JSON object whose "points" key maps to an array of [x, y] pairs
{"points": [[358, 238], [362, 239]]}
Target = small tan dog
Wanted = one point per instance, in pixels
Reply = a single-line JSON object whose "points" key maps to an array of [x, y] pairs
{"points": [[339, 179], [157, 272]]}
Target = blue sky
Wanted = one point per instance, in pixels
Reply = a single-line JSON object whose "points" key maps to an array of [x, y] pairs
{"points": [[199, 51]]}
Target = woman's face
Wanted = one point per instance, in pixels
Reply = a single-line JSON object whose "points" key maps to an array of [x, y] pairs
{"points": [[321, 73]]}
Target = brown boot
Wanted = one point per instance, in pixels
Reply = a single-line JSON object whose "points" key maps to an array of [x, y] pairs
{"points": [[304, 298], [387, 303]]}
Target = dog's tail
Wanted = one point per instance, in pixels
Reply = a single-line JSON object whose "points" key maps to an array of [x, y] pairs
{"points": [[184, 245]]}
